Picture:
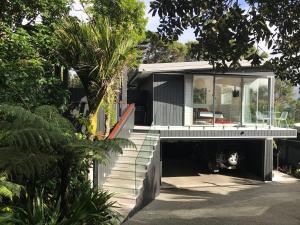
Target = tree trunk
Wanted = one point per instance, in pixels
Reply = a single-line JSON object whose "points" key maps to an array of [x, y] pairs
{"points": [[64, 183]]}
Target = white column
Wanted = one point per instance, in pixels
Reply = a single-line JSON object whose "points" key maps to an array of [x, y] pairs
{"points": [[188, 100]]}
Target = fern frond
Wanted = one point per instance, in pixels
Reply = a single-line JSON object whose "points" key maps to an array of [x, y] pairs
{"points": [[23, 129], [52, 115], [8, 189], [33, 139], [23, 164]]}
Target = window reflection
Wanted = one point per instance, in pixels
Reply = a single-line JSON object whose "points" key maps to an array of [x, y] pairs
{"points": [[203, 100], [256, 101], [228, 100], [237, 100]]}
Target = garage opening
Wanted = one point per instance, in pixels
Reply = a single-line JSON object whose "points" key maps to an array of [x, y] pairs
{"points": [[198, 158]]}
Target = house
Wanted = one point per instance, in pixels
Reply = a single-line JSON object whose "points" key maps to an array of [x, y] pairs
{"points": [[188, 110]]}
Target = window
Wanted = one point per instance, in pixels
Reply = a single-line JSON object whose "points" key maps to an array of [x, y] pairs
{"points": [[228, 100], [256, 101], [203, 100]]}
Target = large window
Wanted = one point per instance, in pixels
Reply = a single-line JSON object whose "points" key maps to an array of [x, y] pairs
{"points": [[203, 100], [230, 100], [256, 101]]}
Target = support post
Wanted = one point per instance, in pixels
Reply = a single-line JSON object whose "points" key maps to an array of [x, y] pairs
{"points": [[268, 160]]}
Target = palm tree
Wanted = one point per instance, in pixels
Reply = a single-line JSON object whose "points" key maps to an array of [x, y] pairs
{"points": [[97, 51]]}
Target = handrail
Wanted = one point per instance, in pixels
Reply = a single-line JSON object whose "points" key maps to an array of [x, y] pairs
{"points": [[121, 122], [121, 130]]}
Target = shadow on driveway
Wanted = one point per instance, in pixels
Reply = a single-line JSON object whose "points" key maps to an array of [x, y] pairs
{"points": [[232, 203]]}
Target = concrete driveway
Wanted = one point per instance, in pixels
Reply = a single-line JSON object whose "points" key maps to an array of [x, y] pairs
{"points": [[224, 201]]}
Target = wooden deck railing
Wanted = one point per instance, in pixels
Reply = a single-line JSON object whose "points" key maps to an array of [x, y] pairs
{"points": [[122, 122]]}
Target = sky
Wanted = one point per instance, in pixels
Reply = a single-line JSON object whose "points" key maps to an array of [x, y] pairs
{"points": [[188, 35], [153, 22]]}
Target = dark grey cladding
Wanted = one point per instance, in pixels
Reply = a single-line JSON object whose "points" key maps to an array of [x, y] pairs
{"points": [[168, 100]]}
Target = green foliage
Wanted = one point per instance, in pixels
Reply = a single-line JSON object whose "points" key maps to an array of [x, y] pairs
{"points": [[284, 16], [285, 101], [157, 51], [37, 214], [97, 52], [29, 72], [92, 208], [8, 189], [297, 173], [26, 64], [41, 151], [125, 15], [15, 12], [25, 140], [225, 32]]}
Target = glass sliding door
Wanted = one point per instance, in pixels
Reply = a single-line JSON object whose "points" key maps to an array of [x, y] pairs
{"points": [[228, 100], [256, 101], [203, 88]]}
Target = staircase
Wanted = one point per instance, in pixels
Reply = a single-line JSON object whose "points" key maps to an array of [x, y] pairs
{"points": [[127, 176]]}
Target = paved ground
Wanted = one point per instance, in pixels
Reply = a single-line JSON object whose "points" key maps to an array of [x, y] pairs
{"points": [[223, 200]]}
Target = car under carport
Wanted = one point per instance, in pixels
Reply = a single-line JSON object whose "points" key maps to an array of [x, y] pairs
{"points": [[193, 158]]}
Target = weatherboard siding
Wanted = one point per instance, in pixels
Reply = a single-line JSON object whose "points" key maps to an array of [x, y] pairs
{"points": [[168, 100], [224, 133], [268, 160]]}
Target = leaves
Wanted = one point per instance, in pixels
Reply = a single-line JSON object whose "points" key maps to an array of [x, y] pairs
{"points": [[224, 31], [156, 50], [27, 139], [26, 64], [98, 53], [8, 189]]}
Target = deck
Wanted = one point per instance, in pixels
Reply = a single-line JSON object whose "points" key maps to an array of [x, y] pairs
{"points": [[220, 132]]}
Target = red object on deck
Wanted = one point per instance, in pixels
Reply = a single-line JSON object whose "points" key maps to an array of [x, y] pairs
{"points": [[114, 132]]}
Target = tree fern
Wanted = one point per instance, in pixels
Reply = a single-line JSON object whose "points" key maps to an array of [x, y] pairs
{"points": [[8, 189], [39, 146]]}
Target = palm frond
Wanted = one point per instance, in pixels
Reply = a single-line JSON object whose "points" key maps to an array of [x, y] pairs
{"points": [[97, 51]]}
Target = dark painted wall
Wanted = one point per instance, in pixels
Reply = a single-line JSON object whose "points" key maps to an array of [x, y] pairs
{"points": [[142, 97], [289, 152], [193, 156], [268, 160], [168, 102]]}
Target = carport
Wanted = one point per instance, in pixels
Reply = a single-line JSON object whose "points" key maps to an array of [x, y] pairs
{"points": [[191, 158]]}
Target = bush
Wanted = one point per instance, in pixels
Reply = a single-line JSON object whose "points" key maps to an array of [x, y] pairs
{"points": [[42, 152]]}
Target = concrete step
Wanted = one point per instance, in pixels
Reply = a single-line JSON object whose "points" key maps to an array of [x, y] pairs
{"points": [[140, 147], [134, 159], [143, 141], [134, 153], [121, 202], [125, 189], [116, 176], [136, 136], [130, 166], [128, 196], [121, 182], [128, 172]]}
